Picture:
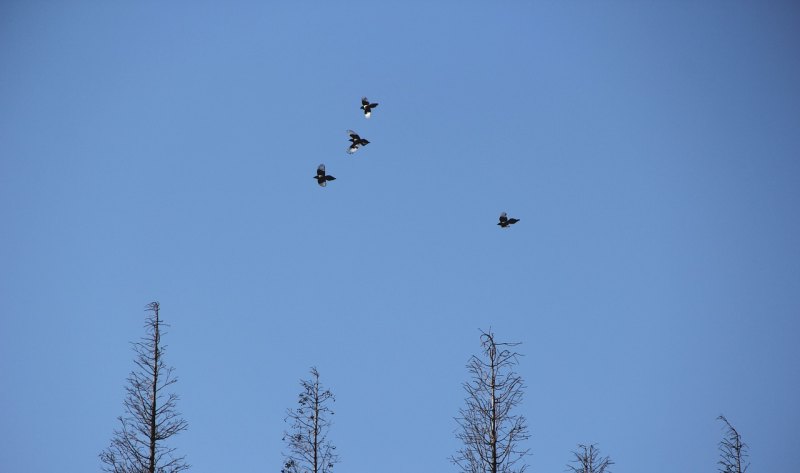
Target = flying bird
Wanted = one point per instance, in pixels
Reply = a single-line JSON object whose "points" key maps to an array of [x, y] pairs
{"points": [[355, 142], [321, 177], [505, 221], [367, 107]]}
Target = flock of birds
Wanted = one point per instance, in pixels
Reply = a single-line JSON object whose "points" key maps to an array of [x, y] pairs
{"points": [[357, 142]]}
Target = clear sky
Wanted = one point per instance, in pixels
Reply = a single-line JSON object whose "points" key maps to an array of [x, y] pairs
{"points": [[165, 151]]}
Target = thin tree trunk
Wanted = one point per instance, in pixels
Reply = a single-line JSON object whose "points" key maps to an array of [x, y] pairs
{"points": [[316, 425], [152, 468], [494, 410]]}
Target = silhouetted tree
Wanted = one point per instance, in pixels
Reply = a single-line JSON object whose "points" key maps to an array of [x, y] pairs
{"points": [[490, 431], [310, 451], [733, 452], [588, 460], [150, 416]]}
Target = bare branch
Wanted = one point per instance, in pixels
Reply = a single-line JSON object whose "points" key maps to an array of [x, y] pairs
{"points": [[310, 451], [150, 416], [490, 432], [733, 452], [588, 460]]}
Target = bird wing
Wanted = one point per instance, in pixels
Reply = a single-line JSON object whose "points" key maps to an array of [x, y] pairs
{"points": [[364, 101], [353, 135], [503, 218], [321, 170]]}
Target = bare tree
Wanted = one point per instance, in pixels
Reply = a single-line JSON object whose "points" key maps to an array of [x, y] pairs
{"points": [[733, 452], [490, 431], [310, 451], [150, 416], [588, 460]]}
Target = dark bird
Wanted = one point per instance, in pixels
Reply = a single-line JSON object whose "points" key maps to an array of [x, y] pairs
{"points": [[505, 221], [355, 142], [321, 177], [367, 107]]}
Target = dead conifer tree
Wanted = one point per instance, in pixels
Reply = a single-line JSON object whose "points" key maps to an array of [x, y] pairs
{"points": [[310, 451], [150, 416], [490, 431], [733, 452], [588, 460]]}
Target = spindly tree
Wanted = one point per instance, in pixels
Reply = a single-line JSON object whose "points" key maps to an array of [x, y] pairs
{"points": [[138, 445], [489, 429], [588, 460], [310, 450], [732, 451]]}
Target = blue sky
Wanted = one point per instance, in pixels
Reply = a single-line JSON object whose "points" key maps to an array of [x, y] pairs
{"points": [[165, 151]]}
